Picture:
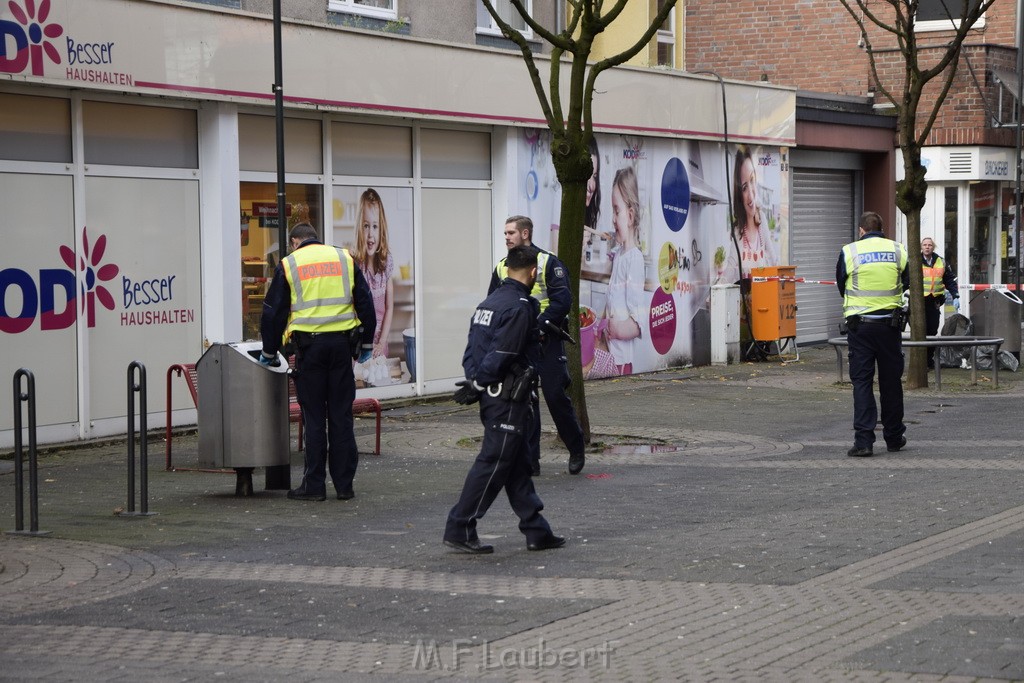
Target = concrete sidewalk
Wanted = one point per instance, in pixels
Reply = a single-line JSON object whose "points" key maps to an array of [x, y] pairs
{"points": [[718, 532]]}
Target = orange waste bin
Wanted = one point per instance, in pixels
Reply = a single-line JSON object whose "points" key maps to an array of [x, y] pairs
{"points": [[773, 303]]}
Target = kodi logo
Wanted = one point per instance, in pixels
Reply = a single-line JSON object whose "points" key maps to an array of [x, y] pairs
{"points": [[57, 287], [23, 41]]}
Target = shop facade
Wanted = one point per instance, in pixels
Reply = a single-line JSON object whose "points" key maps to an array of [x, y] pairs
{"points": [[969, 213], [137, 189]]}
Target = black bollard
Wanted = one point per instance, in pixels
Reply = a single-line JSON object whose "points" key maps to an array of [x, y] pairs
{"points": [[28, 396], [138, 387]]}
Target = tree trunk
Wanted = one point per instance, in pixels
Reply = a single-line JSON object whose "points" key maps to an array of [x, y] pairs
{"points": [[570, 248], [910, 197], [571, 158]]}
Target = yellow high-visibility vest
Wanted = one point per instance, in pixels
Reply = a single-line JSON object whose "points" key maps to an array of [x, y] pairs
{"points": [[933, 285], [321, 279], [873, 282], [540, 287]]}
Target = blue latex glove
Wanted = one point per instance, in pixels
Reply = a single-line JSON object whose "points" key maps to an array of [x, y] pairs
{"points": [[956, 304], [269, 361], [365, 354]]}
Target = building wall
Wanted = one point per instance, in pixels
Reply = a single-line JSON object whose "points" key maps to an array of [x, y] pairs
{"points": [[433, 19], [783, 43]]}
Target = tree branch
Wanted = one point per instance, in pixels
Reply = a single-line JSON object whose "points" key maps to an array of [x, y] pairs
{"points": [[628, 54], [531, 66]]}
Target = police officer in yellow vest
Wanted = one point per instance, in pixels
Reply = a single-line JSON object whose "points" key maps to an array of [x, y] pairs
{"points": [[939, 286], [319, 299], [552, 291], [871, 274]]}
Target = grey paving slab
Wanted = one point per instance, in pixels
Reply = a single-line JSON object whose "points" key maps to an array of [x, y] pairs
{"points": [[718, 533]]}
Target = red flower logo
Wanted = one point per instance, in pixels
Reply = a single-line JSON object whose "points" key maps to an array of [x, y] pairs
{"points": [[91, 274], [36, 30]]}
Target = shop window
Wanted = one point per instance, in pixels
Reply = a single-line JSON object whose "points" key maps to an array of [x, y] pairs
{"points": [[942, 15], [257, 144], [485, 22], [455, 155], [381, 9], [984, 233], [1007, 238], [35, 128], [452, 234], [360, 149], [666, 37], [259, 239], [135, 135]]}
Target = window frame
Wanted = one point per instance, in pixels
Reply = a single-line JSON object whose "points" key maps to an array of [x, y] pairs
{"points": [[668, 37], [351, 7], [945, 24], [492, 29]]}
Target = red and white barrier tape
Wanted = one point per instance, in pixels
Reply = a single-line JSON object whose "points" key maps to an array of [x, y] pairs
{"points": [[980, 288], [778, 278], [254, 280]]}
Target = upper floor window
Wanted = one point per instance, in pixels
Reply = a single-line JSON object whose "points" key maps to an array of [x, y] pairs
{"points": [[381, 9], [485, 22], [943, 15], [667, 37]]}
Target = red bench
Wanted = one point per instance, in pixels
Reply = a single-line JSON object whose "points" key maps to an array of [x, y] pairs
{"points": [[188, 371]]}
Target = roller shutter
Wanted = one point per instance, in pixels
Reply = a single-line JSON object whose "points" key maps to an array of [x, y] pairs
{"points": [[823, 221]]}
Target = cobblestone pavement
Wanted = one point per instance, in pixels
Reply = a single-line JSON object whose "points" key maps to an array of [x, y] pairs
{"points": [[718, 532]]}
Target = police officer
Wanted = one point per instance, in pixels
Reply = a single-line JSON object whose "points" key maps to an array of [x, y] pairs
{"points": [[319, 299], [498, 363], [939, 285], [872, 275], [552, 291]]}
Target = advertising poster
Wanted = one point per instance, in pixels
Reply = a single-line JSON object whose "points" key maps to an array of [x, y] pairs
{"points": [[141, 285], [658, 234], [375, 225], [39, 296]]}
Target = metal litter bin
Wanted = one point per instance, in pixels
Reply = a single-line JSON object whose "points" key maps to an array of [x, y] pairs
{"points": [[996, 313], [243, 410]]}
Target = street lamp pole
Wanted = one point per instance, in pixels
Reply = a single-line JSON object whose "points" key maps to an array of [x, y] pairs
{"points": [[1017, 145], [279, 476]]}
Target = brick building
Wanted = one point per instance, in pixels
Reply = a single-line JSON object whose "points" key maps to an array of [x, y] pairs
{"points": [[817, 47]]}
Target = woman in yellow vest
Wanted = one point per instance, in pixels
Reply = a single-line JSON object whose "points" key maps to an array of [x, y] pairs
{"points": [[939, 286]]}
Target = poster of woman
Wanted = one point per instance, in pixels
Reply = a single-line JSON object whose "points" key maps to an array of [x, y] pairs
{"points": [[656, 237]]}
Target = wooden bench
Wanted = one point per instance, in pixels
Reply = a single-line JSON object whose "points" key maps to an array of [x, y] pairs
{"points": [[938, 342], [188, 371]]}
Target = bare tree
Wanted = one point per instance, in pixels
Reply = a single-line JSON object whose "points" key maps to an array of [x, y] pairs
{"points": [[915, 117], [572, 126]]}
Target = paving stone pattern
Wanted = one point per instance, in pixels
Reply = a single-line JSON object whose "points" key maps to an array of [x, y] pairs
{"points": [[750, 549]]}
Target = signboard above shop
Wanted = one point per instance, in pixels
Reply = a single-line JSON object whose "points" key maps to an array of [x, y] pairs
{"points": [[209, 53]]}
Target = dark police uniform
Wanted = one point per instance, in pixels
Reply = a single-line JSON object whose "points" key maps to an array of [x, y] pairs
{"points": [[555, 297], [502, 339], [319, 304], [871, 275], [938, 279]]}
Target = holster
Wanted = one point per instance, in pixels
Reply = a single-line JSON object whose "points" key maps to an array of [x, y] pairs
{"points": [[519, 384], [852, 323], [355, 338]]}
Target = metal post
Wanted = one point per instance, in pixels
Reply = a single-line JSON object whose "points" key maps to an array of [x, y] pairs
{"points": [[1017, 145], [279, 476], [140, 388], [28, 396]]}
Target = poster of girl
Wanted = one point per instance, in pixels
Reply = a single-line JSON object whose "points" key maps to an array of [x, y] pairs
{"points": [[626, 285], [373, 255]]}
